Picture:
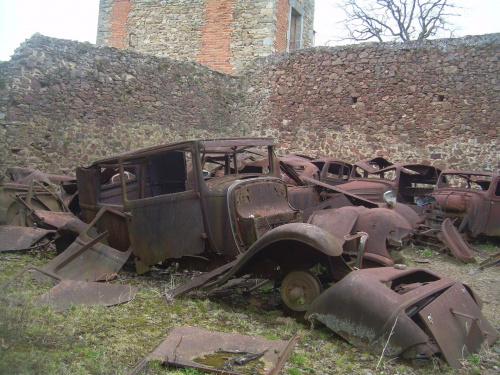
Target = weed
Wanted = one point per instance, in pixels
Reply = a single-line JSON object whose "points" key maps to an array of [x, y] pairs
{"points": [[201, 306], [488, 247], [266, 287], [298, 359], [426, 253], [271, 336], [473, 359], [109, 340]]}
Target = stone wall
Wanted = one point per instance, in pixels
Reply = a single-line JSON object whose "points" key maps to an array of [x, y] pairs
{"points": [[225, 35], [435, 102], [66, 103]]}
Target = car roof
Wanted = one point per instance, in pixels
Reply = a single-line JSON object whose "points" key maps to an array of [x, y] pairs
{"points": [[221, 145]]}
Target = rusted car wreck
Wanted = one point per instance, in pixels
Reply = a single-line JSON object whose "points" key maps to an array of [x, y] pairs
{"points": [[373, 177], [411, 312], [205, 204], [217, 206], [471, 199]]}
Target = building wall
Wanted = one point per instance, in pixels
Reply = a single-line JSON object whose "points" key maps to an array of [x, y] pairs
{"points": [[65, 103], [215, 36], [226, 35]]}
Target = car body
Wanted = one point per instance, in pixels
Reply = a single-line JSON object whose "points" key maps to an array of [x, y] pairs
{"points": [[333, 171], [29, 197], [410, 312], [208, 203], [372, 178], [471, 199]]}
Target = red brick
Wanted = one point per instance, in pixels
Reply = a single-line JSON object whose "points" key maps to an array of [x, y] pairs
{"points": [[118, 31]]}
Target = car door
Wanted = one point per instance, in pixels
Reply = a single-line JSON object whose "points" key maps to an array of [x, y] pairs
{"points": [[165, 221]]}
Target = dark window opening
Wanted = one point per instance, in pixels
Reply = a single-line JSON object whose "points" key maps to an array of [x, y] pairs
{"points": [[354, 99], [295, 41], [440, 98]]}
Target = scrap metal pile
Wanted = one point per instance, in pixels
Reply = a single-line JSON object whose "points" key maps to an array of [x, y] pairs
{"points": [[231, 207]]}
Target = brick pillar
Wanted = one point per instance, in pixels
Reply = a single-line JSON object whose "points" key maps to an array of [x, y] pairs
{"points": [[215, 36], [282, 10], [118, 30]]}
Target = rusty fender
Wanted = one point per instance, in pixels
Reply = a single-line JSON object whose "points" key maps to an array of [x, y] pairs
{"points": [[363, 309], [287, 247], [410, 312]]}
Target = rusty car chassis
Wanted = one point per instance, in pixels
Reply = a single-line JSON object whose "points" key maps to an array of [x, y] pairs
{"points": [[471, 199], [205, 204]]}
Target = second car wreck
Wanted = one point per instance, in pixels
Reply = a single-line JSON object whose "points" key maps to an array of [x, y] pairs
{"points": [[412, 312], [471, 199]]}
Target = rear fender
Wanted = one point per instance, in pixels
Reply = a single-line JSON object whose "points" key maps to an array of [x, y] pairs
{"points": [[383, 227]]}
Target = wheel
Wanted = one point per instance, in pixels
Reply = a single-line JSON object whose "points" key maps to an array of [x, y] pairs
{"points": [[299, 289]]}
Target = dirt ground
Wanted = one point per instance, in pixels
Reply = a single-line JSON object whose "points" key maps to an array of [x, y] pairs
{"points": [[485, 282]]}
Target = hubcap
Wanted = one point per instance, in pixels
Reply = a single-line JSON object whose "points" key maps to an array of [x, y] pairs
{"points": [[299, 289]]}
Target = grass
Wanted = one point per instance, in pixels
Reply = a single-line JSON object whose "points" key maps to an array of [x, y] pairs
{"points": [[111, 340], [489, 246]]}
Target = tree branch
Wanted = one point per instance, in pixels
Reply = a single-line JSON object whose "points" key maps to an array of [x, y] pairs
{"points": [[403, 20]]}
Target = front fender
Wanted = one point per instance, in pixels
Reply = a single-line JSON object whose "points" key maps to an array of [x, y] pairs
{"points": [[307, 234], [289, 246]]}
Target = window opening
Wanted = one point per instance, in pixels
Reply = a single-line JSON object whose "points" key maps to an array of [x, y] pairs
{"points": [[295, 41]]}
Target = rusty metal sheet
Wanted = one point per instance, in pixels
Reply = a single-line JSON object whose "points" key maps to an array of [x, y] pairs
{"points": [[383, 227], [491, 261], [88, 259], [185, 344], [83, 293], [21, 238], [338, 222], [364, 310], [381, 310], [355, 199], [73, 292], [25, 176], [371, 178], [52, 219], [456, 243], [471, 199], [457, 324], [201, 280]]}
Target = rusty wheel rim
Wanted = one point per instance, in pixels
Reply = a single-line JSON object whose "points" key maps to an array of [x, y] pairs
{"points": [[299, 289]]}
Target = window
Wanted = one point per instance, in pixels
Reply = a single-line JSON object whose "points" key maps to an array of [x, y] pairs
{"points": [[166, 173], [295, 29]]}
